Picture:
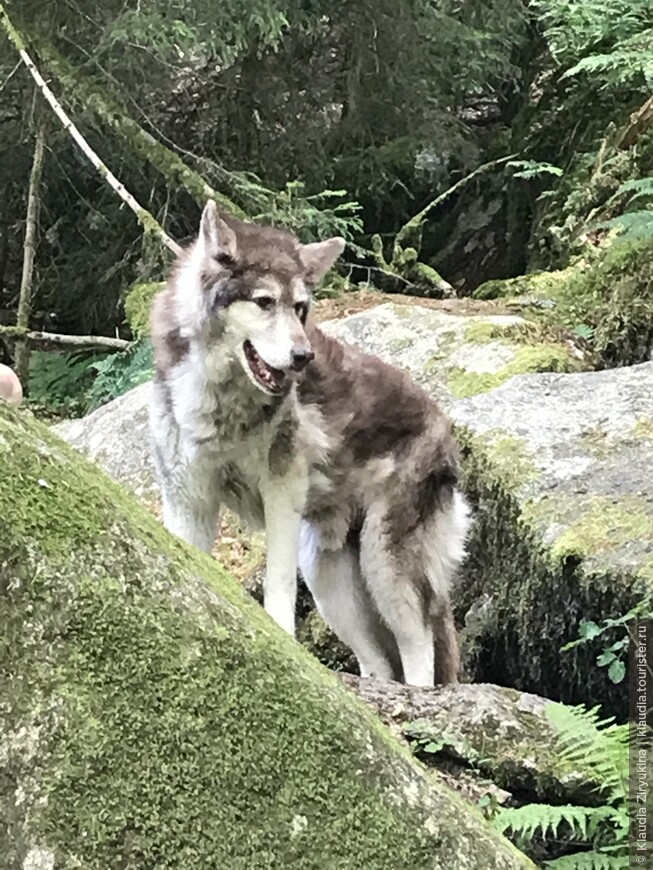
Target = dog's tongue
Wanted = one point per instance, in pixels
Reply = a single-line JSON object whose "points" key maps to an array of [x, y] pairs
{"points": [[270, 377]]}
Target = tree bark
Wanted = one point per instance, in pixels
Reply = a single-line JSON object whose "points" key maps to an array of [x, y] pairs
{"points": [[147, 221], [29, 253], [153, 715]]}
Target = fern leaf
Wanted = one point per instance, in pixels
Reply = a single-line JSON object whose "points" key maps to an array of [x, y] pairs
{"points": [[599, 747], [589, 861], [544, 819]]}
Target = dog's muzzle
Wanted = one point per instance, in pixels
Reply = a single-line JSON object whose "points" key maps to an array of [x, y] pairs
{"points": [[300, 358]]}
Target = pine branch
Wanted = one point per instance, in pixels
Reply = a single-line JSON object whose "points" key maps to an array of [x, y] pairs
{"points": [[147, 221]]}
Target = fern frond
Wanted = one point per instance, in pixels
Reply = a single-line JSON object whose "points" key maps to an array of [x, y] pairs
{"points": [[597, 746], [632, 226], [589, 861], [544, 819]]}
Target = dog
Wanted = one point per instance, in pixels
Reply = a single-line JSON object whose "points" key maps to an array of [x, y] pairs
{"points": [[347, 464]]}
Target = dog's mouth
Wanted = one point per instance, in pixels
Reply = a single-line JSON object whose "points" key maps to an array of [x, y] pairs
{"points": [[272, 380]]}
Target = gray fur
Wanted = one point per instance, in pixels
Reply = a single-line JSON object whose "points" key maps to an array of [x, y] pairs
{"points": [[348, 465]]}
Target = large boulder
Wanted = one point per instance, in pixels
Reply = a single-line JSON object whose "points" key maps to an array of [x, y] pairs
{"points": [[454, 356], [558, 466], [116, 437], [153, 715]]}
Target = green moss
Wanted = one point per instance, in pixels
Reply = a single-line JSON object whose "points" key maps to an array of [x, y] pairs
{"points": [[540, 357], [609, 295], [543, 285], [509, 457], [593, 524], [483, 331], [597, 442], [398, 344], [156, 716], [603, 525], [138, 304]]}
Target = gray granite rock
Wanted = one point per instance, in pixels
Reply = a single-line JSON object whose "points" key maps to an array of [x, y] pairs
{"points": [[501, 735], [116, 437], [576, 451]]}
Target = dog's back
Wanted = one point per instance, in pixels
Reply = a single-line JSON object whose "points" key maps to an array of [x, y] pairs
{"points": [[392, 522]]}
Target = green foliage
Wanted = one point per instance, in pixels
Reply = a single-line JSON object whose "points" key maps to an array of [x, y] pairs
{"points": [[600, 833], [614, 654], [598, 72], [635, 224], [532, 169], [423, 741], [313, 217], [598, 36], [119, 373], [58, 382], [610, 299]]}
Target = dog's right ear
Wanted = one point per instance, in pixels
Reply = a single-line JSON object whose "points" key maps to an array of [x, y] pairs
{"points": [[218, 238]]}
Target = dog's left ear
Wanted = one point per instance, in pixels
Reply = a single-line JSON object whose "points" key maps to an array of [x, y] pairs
{"points": [[218, 238], [318, 258]]}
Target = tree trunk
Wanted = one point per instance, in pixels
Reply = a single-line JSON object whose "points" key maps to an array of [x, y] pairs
{"points": [[29, 253], [153, 715], [147, 221]]}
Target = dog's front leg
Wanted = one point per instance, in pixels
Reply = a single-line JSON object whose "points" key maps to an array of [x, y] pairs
{"points": [[282, 521]]}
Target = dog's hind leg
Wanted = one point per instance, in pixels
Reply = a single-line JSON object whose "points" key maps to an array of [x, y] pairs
{"points": [[344, 603], [398, 586], [408, 571], [446, 648]]}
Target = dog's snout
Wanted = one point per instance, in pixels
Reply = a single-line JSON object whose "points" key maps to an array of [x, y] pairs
{"points": [[301, 356]]}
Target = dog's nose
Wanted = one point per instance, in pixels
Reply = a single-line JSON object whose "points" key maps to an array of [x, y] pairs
{"points": [[301, 358]]}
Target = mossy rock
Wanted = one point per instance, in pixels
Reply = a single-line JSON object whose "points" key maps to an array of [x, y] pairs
{"points": [[607, 298], [502, 736], [138, 304], [153, 715], [560, 469], [541, 285], [457, 355]]}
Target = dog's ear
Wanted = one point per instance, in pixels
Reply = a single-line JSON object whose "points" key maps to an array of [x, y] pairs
{"points": [[318, 257], [216, 236]]}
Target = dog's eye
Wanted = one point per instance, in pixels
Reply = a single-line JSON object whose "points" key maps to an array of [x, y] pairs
{"points": [[301, 310], [265, 302]]}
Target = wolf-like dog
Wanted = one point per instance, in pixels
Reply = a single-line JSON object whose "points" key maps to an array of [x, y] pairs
{"points": [[347, 464]]}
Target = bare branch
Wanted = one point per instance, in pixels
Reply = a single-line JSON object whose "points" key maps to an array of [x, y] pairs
{"points": [[147, 221], [29, 252], [54, 341]]}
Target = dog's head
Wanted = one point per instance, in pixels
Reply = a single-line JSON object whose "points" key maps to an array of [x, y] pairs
{"points": [[255, 286]]}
